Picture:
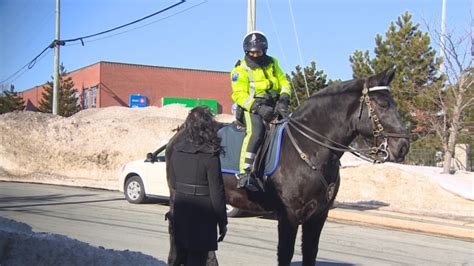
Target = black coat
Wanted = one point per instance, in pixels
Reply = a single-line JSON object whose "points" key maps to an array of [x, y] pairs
{"points": [[195, 216]]}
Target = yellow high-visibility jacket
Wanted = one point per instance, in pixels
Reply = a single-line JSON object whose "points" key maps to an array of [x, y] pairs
{"points": [[248, 83]]}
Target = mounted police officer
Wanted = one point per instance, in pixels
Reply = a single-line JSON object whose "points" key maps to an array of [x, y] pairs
{"points": [[259, 86]]}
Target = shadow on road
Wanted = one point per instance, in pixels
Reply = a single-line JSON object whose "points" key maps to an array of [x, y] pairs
{"points": [[324, 263], [51, 197], [359, 205]]}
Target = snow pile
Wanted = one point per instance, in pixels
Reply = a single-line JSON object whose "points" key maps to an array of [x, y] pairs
{"points": [[406, 188], [85, 149], [19, 245]]}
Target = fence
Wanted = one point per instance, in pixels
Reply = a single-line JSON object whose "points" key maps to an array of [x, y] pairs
{"points": [[426, 157], [432, 157]]}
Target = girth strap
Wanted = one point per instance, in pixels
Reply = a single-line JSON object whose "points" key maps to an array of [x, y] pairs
{"points": [[195, 190], [303, 155]]}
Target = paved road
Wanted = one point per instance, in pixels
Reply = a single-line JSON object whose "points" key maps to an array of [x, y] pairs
{"points": [[105, 218]]}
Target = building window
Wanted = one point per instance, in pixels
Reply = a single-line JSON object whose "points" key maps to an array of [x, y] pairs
{"points": [[94, 97], [85, 98]]}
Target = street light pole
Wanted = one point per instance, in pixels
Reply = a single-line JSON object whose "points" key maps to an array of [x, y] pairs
{"points": [[251, 14], [442, 37], [56, 63]]}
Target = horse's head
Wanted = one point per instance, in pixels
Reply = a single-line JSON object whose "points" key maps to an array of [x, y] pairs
{"points": [[379, 121]]}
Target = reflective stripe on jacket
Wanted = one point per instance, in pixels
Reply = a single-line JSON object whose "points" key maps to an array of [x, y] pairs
{"points": [[248, 83]]}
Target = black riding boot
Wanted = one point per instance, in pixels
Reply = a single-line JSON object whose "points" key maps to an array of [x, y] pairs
{"points": [[247, 180]]}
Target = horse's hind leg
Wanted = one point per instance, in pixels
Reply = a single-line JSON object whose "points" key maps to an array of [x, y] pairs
{"points": [[311, 233], [286, 241]]}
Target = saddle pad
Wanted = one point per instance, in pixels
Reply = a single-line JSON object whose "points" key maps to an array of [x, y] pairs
{"points": [[231, 141]]}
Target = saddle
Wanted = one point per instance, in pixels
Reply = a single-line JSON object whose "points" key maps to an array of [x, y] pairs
{"points": [[268, 155]]}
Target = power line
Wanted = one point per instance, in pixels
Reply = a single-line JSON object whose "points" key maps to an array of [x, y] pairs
{"points": [[31, 64], [298, 46], [142, 26], [281, 49], [37, 60], [125, 25]]}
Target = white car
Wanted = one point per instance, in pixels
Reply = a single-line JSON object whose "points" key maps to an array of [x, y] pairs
{"points": [[146, 178]]}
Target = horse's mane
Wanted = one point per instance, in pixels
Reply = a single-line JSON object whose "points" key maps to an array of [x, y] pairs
{"points": [[337, 88], [328, 95]]}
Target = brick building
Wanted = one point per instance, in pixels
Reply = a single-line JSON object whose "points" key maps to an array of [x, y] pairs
{"points": [[110, 84]]}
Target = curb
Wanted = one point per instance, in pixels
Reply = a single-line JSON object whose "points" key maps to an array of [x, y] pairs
{"points": [[414, 223]]}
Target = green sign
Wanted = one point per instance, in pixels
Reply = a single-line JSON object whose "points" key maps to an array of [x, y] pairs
{"points": [[189, 102]]}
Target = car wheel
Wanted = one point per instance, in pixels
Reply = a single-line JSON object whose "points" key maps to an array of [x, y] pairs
{"points": [[231, 211], [134, 190]]}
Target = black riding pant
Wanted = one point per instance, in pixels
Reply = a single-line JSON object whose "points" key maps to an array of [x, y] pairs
{"points": [[254, 133]]}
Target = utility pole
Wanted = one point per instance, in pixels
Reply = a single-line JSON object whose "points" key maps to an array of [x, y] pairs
{"points": [[56, 63], [443, 35], [251, 14]]}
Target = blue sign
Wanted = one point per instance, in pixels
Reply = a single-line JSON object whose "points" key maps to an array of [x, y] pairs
{"points": [[137, 100]]}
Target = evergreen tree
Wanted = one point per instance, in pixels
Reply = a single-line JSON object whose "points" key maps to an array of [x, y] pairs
{"points": [[316, 80], [68, 100], [11, 101], [408, 48]]}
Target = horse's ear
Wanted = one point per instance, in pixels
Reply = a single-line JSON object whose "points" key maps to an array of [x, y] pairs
{"points": [[383, 78], [390, 73]]}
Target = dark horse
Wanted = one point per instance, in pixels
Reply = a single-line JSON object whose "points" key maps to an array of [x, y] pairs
{"points": [[306, 182]]}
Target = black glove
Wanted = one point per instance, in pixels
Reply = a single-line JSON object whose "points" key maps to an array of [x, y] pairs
{"points": [[222, 232], [265, 111], [282, 104]]}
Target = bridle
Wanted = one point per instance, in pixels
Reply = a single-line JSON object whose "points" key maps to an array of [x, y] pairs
{"points": [[376, 154], [380, 151]]}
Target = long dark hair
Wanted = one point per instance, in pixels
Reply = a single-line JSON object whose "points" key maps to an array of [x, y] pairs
{"points": [[200, 128]]}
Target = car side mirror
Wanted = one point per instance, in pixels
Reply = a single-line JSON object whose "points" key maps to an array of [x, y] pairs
{"points": [[149, 157]]}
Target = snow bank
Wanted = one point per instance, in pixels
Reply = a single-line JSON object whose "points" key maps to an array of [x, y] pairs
{"points": [[19, 245], [89, 148]]}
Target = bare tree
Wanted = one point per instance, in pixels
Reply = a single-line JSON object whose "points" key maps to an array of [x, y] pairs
{"points": [[448, 105]]}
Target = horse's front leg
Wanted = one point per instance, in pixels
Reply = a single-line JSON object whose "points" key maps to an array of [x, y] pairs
{"points": [[311, 233], [286, 240]]}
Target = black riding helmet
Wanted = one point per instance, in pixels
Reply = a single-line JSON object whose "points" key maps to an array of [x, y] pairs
{"points": [[255, 41]]}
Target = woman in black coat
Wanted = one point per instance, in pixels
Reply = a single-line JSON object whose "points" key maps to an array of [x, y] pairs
{"points": [[194, 173]]}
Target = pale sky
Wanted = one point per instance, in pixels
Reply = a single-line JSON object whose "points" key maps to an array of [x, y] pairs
{"points": [[207, 35]]}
